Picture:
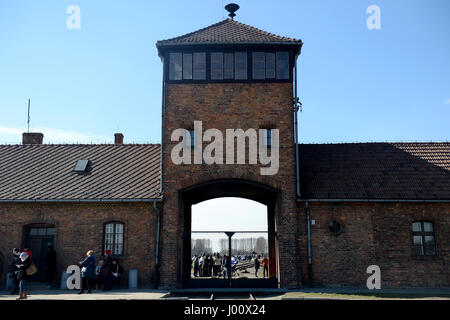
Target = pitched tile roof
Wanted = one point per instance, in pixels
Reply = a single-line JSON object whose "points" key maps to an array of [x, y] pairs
{"points": [[375, 171], [46, 172], [132, 172], [229, 31]]}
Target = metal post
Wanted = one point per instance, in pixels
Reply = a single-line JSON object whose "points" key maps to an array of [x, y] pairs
{"points": [[229, 234]]}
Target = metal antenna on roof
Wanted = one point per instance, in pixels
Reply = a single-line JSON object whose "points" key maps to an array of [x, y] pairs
{"points": [[28, 121], [232, 8]]}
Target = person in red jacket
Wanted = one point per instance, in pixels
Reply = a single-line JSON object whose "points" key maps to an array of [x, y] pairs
{"points": [[265, 264], [28, 251]]}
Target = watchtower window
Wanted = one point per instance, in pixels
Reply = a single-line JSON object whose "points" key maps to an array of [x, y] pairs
{"points": [[258, 65], [240, 65], [216, 66], [282, 65], [267, 138], [187, 66], [199, 66], [228, 71], [270, 65], [220, 66], [175, 66]]}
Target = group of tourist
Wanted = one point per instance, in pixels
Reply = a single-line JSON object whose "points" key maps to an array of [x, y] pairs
{"points": [[103, 275], [107, 272], [215, 265], [208, 265]]}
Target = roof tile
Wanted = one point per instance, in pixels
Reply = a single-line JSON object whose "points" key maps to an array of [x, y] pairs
{"points": [[229, 31], [409, 171], [46, 172]]}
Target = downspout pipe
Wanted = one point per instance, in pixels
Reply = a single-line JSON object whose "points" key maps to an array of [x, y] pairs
{"points": [[296, 103], [308, 224], [163, 101], [158, 225]]}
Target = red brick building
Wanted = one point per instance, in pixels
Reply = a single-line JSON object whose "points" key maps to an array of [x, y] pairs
{"points": [[332, 209]]}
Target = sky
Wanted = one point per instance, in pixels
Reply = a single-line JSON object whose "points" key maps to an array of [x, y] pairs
{"points": [[221, 214], [228, 214], [356, 84]]}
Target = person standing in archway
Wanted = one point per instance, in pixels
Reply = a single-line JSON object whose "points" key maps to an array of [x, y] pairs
{"points": [[265, 265], [257, 265]]}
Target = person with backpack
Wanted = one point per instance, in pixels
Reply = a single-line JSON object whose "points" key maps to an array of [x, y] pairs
{"points": [[26, 269]]}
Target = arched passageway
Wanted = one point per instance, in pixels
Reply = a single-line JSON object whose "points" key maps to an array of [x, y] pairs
{"points": [[246, 201]]}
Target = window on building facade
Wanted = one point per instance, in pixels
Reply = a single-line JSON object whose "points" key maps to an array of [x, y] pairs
{"points": [[282, 65], [270, 65], [240, 65], [175, 66], [199, 66], [114, 232], [189, 139], [259, 65], [228, 70], [267, 137], [228, 66], [187, 66], [42, 231], [423, 238], [216, 66]]}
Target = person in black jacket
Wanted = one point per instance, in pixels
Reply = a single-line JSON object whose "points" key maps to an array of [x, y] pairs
{"points": [[257, 265], [87, 272], [106, 271], [14, 270], [22, 276], [116, 271]]}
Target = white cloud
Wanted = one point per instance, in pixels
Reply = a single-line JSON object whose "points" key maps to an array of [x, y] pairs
{"points": [[52, 135], [448, 101]]}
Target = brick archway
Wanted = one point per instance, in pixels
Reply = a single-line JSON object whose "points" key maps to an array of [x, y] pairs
{"points": [[228, 188]]}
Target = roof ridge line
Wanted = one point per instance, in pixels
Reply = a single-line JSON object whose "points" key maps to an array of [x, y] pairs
{"points": [[190, 33]]}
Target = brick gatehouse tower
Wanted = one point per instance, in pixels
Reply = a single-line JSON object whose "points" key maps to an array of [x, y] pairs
{"points": [[333, 210], [229, 76]]}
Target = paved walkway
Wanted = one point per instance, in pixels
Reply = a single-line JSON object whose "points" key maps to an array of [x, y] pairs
{"points": [[140, 294], [259, 294]]}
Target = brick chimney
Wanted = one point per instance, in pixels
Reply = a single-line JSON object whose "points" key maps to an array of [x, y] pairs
{"points": [[118, 138], [32, 138]]}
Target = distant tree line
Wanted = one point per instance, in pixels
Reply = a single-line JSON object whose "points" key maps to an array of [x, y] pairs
{"points": [[239, 246]]}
